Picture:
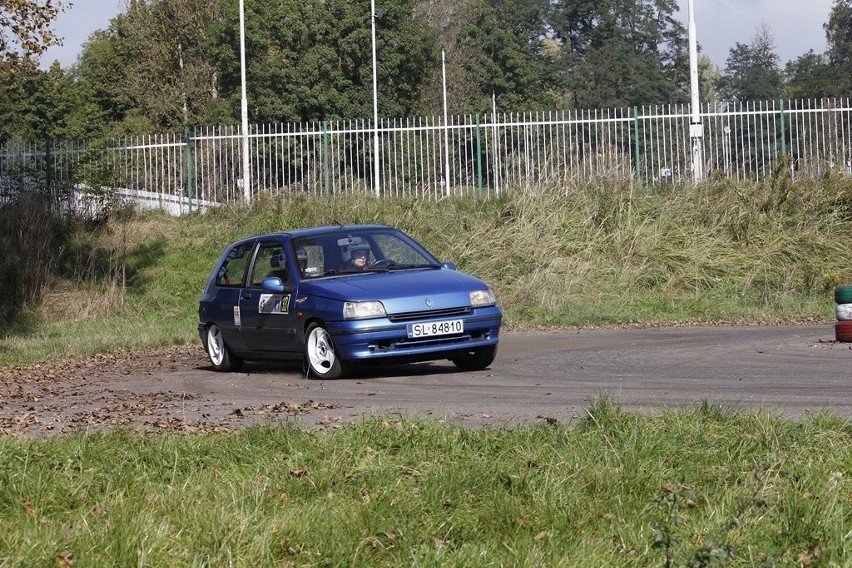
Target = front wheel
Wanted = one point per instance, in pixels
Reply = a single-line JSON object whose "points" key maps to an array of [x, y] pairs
{"points": [[220, 356], [322, 359], [475, 359]]}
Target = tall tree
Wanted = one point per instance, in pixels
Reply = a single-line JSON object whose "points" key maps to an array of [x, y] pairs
{"points": [[809, 77], [311, 59], [708, 78], [37, 105], [618, 53], [838, 33], [25, 27], [753, 71], [101, 74], [151, 70], [494, 48]]}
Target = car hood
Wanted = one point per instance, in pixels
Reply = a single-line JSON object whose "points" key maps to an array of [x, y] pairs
{"points": [[400, 290]]}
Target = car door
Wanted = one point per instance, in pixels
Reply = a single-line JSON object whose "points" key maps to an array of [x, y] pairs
{"points": [[267, 318], [220, 302]]}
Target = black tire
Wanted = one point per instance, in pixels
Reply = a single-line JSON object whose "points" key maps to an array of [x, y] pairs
{"points": [[220, 355], [321, 358], [475, 359], [843, 294]]}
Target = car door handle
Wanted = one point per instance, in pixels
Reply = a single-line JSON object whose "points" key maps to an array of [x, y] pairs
{"points": [[246, 296]]}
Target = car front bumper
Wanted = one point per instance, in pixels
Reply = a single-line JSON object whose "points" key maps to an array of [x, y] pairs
{"points": [[365, 340]]}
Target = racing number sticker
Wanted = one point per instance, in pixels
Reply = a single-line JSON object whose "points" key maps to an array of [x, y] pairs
{"points": [[237, 319], [273, 304]]}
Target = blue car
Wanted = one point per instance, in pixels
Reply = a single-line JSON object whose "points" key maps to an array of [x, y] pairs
{"points": [[342, 296]]}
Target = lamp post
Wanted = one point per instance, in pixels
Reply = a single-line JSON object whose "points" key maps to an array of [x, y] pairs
{"points": [[244, 108], [446, 126], [375, 104], [696, 128]]}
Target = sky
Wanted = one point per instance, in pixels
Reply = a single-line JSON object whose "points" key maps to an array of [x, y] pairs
{"points": [[796, 26]]}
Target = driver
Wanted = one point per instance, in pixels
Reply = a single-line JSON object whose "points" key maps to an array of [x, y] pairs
{"points": [[359, 254], [302, 257]]}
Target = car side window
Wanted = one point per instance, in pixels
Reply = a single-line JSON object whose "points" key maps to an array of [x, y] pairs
{"points": [[311, 256], [269, 261], [233, 270]]}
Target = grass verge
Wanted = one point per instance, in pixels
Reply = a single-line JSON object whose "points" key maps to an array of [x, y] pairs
{"points": [[706, 487]]}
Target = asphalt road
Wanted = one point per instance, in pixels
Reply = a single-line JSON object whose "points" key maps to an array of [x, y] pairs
{"points": [[795, 371]]}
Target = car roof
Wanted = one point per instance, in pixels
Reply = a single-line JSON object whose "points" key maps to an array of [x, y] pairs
{"points": [[312, 231]]}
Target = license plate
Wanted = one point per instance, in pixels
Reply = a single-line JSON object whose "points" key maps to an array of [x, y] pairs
{"points": [[448, 327]]}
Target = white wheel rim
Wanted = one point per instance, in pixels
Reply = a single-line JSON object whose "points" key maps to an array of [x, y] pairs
{"points": [[215, 345], [320, 351]]}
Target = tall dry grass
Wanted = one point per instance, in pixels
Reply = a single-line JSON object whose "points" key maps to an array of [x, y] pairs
{"points": [[579, 255], [593, 253]]}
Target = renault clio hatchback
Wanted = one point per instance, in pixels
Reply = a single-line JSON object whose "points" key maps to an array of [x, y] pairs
{"points": [[342, 296]]}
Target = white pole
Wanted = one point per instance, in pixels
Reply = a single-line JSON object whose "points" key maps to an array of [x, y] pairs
{"points": [[446, 127], [376, 168], [244, 108], [496, 144], [696, 128]]}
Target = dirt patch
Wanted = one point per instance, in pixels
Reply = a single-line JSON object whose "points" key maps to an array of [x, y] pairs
{"points": [[82, 395]]}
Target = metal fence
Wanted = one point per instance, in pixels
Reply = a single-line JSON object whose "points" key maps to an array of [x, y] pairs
{"points": [[469, 155]]}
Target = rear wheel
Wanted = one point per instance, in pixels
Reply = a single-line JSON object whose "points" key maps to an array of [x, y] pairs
{"points": [[220, 356], [475, 359], [321, 357]]}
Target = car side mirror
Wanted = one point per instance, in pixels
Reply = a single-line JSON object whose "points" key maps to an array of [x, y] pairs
{"points": [[449, 265], [273, 284]]}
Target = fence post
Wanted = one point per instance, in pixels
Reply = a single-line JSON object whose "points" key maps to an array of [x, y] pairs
{"points": [[48, 168], [783, 130], [190, 182], [636, 155], [478, 157], [325, 158]]}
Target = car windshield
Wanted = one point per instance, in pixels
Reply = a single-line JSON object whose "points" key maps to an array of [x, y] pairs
{"points": [[360, 251]]}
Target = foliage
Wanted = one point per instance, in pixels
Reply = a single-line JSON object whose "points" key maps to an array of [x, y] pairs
{"points": [[32, 239], [37, 105], [494, 51], [621, 53], [312, 60], [753, 71], [701, 487], [150, 70], [25, 28], [163, 64], [809, 77], [838, 32]]}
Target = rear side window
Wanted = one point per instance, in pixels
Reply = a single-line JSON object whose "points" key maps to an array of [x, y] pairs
{"points": [[233, 270]]}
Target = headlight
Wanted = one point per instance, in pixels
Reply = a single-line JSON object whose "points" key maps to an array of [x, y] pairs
{"points": [[482, 298], [363, 310]]}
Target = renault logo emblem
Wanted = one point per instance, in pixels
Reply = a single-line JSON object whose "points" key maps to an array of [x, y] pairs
{"points": [[429, 302]]}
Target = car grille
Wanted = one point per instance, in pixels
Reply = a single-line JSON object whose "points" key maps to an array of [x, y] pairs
{"points": [[410, 316], [403, 344]]}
